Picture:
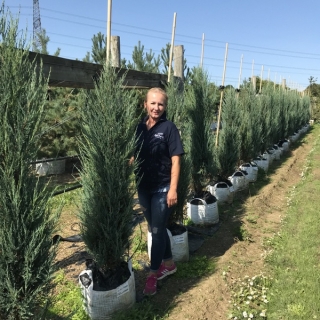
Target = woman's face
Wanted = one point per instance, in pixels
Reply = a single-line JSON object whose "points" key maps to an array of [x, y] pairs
{"points": [[155, 105]]}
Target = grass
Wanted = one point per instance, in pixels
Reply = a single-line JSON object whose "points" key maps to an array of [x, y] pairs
{"points": [[295, 260], [291, 289], [66, 302]]}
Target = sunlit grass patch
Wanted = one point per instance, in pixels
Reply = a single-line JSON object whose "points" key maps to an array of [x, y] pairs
{"points": [[66, 302], [197, 266]]}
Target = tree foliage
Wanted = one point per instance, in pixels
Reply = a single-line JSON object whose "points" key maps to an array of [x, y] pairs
{"points": [[144, 61], [98, 51], [177, 113], [26, 224], [201, 113], [107, 142], [227, 152]]}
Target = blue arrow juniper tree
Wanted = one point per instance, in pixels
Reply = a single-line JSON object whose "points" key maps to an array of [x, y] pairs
{"points": [[26, 224]]}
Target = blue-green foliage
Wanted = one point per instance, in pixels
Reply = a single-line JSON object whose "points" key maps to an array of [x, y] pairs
{"points": [[26, 225], [251, 127], [200, 97], [177, 112], [227, 151], [108, 125]]}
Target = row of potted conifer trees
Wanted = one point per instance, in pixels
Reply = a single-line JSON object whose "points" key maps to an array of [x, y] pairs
{"points": [[250, 123]]}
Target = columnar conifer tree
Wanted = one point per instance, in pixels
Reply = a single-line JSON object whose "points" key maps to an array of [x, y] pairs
{"points": [[26, 224], [227, 152], [201, 102], [177, 112], [263, 101], [108, 141], [250, 128], [274, 115]]}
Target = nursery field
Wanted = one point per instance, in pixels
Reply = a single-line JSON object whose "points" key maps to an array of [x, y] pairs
{"points": [[204, 287]]}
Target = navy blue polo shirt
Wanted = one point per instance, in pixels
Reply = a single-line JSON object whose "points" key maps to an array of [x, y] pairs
{"points": [[154, 151]]}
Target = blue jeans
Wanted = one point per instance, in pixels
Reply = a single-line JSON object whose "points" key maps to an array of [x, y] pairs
{"points": [[156, 211]]}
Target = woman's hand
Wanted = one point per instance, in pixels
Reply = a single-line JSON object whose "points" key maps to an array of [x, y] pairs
{"points": [[172, 198]]}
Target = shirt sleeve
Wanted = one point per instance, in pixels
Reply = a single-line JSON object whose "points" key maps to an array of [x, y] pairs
{"points": [[174, 141]]}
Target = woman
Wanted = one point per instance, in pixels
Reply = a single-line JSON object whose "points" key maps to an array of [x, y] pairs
{"points": [[158, 154]]}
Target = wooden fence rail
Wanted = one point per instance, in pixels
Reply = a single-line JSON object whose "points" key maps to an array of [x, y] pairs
{"points": [[78, 74]]}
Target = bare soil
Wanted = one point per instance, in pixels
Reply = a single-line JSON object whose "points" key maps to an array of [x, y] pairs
{"points": [[259, 212]]}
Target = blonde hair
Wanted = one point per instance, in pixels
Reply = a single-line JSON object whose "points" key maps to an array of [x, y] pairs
{"points": [[159, 90]]}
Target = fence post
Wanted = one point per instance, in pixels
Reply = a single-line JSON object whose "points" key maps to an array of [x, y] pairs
{"points": [[283, 83], [178, 56], [115, 51], [254, 82]]}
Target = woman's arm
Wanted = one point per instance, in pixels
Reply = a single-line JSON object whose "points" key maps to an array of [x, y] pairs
{"points": [[172, 196]]}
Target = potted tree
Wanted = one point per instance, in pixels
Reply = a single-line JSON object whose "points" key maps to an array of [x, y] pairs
{"points": [[26, 224], [177, 113], [107, 142], [59, 130], [227, 151], [200, 96]]}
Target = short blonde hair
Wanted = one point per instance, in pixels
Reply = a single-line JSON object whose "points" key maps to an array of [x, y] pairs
{"points": [[159, 90]]}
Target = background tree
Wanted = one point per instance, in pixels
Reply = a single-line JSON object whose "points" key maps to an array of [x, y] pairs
{"points": [[144, 61], [26, 224], [60, 127], [44, 39], [98, 51], [313, 90]]}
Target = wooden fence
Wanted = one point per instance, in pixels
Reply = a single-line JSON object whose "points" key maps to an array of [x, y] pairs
{"points": [[78, 74]]}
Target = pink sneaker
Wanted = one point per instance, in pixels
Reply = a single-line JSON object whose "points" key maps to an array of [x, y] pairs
{"points": [[165, 271], [151, 286]]}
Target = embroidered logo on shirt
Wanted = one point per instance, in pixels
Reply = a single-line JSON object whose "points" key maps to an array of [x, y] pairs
{"points": [[159, 135]]}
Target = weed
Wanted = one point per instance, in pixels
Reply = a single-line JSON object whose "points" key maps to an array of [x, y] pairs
{"points": [[67, 301], [197, 266], [141, 311], [250, 297], [242, 234], [251, 218]]}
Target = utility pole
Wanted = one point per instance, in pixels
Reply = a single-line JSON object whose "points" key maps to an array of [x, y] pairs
{"points": [[109, 30], [36, 26]]}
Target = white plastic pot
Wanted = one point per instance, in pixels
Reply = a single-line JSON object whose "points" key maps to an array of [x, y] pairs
{"points": [[262, 163], [251, 169], [199, 212], [222, 192], [101, 305], [51, 167], [179, 246], [239, 181]]}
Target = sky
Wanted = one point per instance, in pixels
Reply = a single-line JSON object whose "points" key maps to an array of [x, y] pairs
{"points": [[274, 39]]}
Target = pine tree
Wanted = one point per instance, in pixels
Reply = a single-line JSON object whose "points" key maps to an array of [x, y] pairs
{"points": [[26, 224], [60, 127], [144, 61], [108, 141], [98, 51]]}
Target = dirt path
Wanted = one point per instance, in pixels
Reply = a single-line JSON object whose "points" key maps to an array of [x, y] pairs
{"points": [[258, 213]]}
